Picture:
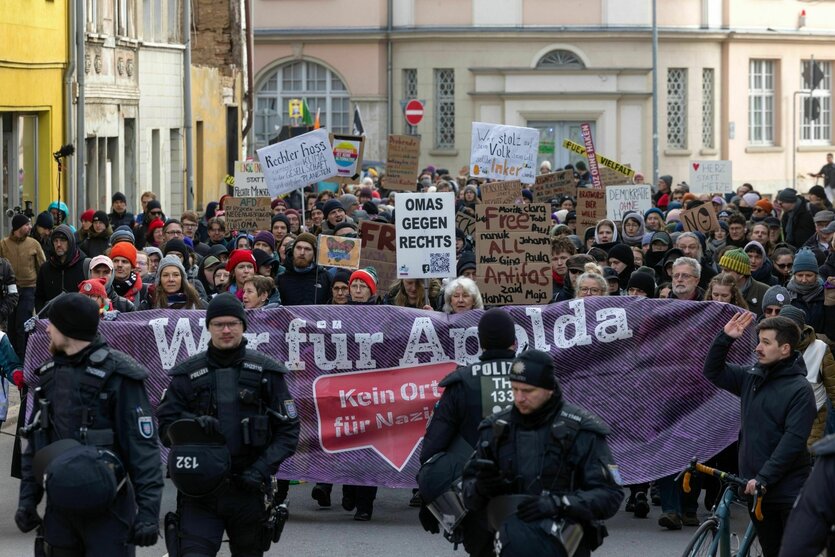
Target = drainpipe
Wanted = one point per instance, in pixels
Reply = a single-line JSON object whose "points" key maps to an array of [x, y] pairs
{"points": [[187, 106], [389, 62], [250, 69], [68, 80], [80, 144]]}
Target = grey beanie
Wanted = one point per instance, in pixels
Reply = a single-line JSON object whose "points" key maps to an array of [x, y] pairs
{"points": [[795, 314], [122, 234], [348, 200], [776, 296], [170, 261]]}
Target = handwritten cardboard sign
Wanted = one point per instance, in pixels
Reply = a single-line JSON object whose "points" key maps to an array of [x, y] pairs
{"points": [[504, 152], [501, 193], [402, 162], [292, 164], [339, 251], [248, 213], [622, 199], [379, 251], [513, 252], [609, 177], [465, 221], [591, 208], [700, 219], [425, 228], [347, 152], [711, 177], [553, 186], [249, 180]]}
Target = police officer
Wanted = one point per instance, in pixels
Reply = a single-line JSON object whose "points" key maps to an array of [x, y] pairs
{"points": [[542, 469], [471, 393], [810, 526], [242, 395], [91, 443]]}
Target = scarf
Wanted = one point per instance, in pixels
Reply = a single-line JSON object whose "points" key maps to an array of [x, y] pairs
{"points": [[806, 292], [177, 298], [558, 280], [226, 358], [129, 287], [541, 415]]}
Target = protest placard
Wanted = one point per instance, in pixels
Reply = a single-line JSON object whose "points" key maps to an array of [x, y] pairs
{"points": [[379, 251], [249, 180], [609, 177], [603, 161], [248, 213], [347, 152], [622, 199], [402, 162], [425, 230], [297, 162], [553, 186], [504, 152], [513, 252], [465, 221], [591, 207], [501, 193], [339, 251], [711, 177], [588, 142], [700, 219]]}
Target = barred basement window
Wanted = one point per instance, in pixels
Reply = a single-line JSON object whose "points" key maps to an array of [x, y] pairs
{"points": [[409, 92], [816, 130], [444, 108], [761, 102], [707, 108], [677, 108]]}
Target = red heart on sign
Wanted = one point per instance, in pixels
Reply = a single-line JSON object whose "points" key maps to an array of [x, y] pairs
{"points": [[695, 166]]}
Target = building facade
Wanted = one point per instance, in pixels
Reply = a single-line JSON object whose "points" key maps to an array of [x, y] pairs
{"points": [[35, 45], [734, 77]]}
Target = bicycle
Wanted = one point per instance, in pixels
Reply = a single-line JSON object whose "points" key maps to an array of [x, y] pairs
{"points": [[713, 537]]}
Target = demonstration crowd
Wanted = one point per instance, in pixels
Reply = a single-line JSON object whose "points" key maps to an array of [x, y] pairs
{"points": [[771, 257]]}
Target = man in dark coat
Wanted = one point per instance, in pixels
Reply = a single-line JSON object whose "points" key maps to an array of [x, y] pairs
{"points": [[303, 282], [798, 225], [119, 214], [62, 271], [778, 408]]}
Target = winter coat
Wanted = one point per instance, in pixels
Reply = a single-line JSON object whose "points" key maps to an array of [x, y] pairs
{"points": [[753, 294], [798, 225], [57, 276], [778, 408], [96, 244], [304, 288], [117, 220]]}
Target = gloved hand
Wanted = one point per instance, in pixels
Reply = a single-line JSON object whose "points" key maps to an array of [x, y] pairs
{"points": [[144, 534], [210, 424], [536, 508], [27, 519], [428, 520], [29, 324], [17, 378], [252, 480], [489, 481]]}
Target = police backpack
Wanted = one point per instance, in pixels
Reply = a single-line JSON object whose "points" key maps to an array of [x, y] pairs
{"points": [[83, 479], [198, 463]]}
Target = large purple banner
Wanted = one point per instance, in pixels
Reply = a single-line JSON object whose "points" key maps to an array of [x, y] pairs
{"points": [[365, 379]]}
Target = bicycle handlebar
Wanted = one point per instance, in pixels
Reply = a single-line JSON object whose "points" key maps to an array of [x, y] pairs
{"points": [[726, 477]]}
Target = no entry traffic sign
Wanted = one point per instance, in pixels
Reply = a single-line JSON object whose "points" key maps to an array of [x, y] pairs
{"points": [[413, 112]]}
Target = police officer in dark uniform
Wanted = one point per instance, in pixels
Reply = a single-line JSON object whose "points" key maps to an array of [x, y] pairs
{"points": [[91, 443], [242, 395], [472, 393], [542, 469], [810, 526]]}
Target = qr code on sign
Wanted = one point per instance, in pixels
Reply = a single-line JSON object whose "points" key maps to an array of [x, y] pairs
{"points": [[439, 263]]}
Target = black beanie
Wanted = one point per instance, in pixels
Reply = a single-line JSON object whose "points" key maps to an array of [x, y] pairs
{"points": [[45, 220], [75, 316], [342, 275], [225, 304], [623, 253], [118, 196], [151, 205], [534, 367], [643, 281], [101, 216], [19, 220], [176, 245], [496, 330], [465, 261]]}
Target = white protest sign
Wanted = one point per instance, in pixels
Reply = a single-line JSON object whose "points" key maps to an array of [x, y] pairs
{"points": [[297, 162], [710, 177], [425, 232], [504, 152], [622, 199], [249, 180]]}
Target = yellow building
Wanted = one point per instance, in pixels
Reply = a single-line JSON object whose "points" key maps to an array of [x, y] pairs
{"points": [[33, 43]]}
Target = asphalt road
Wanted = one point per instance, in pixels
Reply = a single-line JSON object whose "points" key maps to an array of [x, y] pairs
{"points": [[394, 530]]}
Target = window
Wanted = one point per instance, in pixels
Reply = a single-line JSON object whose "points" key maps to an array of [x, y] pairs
{"points": [[816, 130], [319, 86], [761, 102], [444, 108], [560, 59], [409, 92], [161, 21], [707, 108], [677, 108]]}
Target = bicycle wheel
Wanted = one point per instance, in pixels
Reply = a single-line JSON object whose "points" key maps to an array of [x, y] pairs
{"points": [[753, 546], [702, 541]]}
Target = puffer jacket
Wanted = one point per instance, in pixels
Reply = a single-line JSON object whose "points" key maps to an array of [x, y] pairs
{"points": [[778, 408]]}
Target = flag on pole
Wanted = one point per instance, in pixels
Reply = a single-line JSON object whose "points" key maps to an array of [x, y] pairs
{"points": [[307, 117], [316, 124], [359, 129]]}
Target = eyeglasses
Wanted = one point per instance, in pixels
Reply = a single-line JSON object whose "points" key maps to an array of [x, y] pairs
{"points": [[231, 325], [189, 226], [173, 232], [589, 290], [156, 213], [771, 311], [683, 276]]}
